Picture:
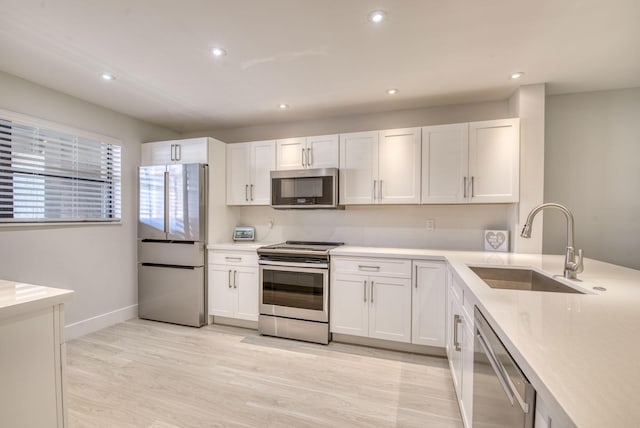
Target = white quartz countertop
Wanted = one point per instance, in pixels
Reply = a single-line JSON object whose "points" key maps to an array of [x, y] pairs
{"points": [[237, 246], [581, 352], [17, 298]]}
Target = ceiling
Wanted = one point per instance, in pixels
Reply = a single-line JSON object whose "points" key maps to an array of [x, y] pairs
{"points": [[323, 58]]}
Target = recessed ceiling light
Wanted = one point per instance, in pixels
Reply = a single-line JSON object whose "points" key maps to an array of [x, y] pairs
{"points": [[392, 91], [283, 106], [218, 52], [107, 76], [377, 16], [516, 75]]}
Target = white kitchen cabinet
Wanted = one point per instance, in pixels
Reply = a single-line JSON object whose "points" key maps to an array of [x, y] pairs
{"points": [[358, 167], [475, 162], [494, 161], [192, 150], [380, 167], [371, 304], [429, 303], [32, 357], [445, 163], [233, 285], [459, 345], [249, 167], [307, 152]]}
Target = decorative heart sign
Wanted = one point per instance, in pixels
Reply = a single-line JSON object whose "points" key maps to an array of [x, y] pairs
{"points": [[496, 240]]}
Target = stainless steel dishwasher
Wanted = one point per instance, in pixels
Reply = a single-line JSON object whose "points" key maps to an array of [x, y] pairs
{"points": [[502, 395]]}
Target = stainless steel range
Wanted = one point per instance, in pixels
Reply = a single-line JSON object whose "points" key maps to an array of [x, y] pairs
{"points": [[294, 290]]}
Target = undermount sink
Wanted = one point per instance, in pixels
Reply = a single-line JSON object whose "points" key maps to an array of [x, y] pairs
{"points": [[521, 279]]}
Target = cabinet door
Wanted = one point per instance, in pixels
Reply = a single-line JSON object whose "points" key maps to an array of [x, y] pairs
{"points": [[291, 154], [445, 163], [390, 309], [246, 287], [399, 166], [349, 304], [193, 150], [467, 343], [494, 160], [159, 153], [358, 168], [455, 353], [428, 312], [238, 173], [322, 151], [263, 160], [221, 291]]}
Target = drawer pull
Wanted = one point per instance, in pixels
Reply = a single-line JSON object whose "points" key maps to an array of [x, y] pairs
{"points": [[370, 268], [233, 259]]}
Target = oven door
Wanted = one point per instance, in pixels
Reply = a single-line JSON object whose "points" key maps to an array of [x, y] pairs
{"points": [[294, 291]]}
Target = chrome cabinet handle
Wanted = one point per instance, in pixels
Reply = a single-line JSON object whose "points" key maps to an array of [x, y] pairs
{"points": [[173, 146], [372, 284], [178, 152], [246, 192], [456, 320], [416, 278], [365, 267], [233, 259], [309, 160], [229, 281], [251, 193], [303, 159], [374, 189], [364, 289], [472, 187], [464, 187], [235, 279], [380, 191]]}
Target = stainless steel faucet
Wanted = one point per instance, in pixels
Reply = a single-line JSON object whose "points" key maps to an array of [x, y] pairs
{"points": [[572, 267]]}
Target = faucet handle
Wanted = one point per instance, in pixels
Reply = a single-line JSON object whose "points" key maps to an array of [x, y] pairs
{"points": [[579, 265]]}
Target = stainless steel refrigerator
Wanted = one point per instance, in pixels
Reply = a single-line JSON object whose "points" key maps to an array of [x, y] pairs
{"points": [[172, 232]]}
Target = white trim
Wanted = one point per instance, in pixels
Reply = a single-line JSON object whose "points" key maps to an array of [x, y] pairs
{"points": [[80, 328], [52, 224]]}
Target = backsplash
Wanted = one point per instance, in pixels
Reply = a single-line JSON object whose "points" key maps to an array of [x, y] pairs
{"points": [[457, 227]]}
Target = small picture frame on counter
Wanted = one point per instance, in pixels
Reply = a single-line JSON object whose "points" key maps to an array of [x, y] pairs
{"points": [[496, 240]]}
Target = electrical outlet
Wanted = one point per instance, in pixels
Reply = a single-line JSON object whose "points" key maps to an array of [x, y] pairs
{"points": [[431, 225]]}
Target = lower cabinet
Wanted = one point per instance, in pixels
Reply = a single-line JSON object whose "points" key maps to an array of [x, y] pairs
{"points": [[459, 346], [233, 286], [373, 305], [429, 303]]}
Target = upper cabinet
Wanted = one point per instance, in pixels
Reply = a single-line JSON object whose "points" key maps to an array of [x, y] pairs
{"points": [[494, 161], [249, 167], [307, 152], [476, 162], [380, 167], [192, 150]]}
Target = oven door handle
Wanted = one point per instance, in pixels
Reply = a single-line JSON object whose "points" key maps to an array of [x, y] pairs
{"points": [[295, 264]]}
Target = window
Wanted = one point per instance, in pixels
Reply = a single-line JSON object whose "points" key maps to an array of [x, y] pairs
{"points": [[50, 173]]}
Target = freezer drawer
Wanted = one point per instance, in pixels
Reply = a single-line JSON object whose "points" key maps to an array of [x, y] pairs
{"points": [[185, 253], [174, 294]]}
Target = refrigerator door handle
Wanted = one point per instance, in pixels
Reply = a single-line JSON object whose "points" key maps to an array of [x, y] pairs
{"points": [[166, 202]]}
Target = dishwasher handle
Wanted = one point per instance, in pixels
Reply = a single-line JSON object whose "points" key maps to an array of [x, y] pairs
{"points": [[500, 371]]}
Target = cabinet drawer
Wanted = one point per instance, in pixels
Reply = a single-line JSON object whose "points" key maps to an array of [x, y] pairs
{"points": [[372, 267], [234, 258]]}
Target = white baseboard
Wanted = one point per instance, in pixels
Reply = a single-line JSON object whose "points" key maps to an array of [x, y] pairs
{"points": [[80, 328]]}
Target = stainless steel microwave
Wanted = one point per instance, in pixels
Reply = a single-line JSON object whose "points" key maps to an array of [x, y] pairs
{"points": [[305, 188]]}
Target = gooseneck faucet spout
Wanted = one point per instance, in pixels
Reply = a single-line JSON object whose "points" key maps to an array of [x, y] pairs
{"points": [[572, 267]]}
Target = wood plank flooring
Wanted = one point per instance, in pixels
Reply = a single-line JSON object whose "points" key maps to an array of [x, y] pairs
{"points": [[147, 374]]}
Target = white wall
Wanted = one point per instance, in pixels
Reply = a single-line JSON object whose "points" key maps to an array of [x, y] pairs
{"points": [[591, 165], [97, 262], [457, 227]]}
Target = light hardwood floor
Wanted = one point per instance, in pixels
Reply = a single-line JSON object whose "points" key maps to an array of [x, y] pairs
{"points": [[147, 374]]}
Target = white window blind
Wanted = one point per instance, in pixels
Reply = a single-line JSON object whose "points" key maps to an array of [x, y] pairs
{"points": [[53, 174]]}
